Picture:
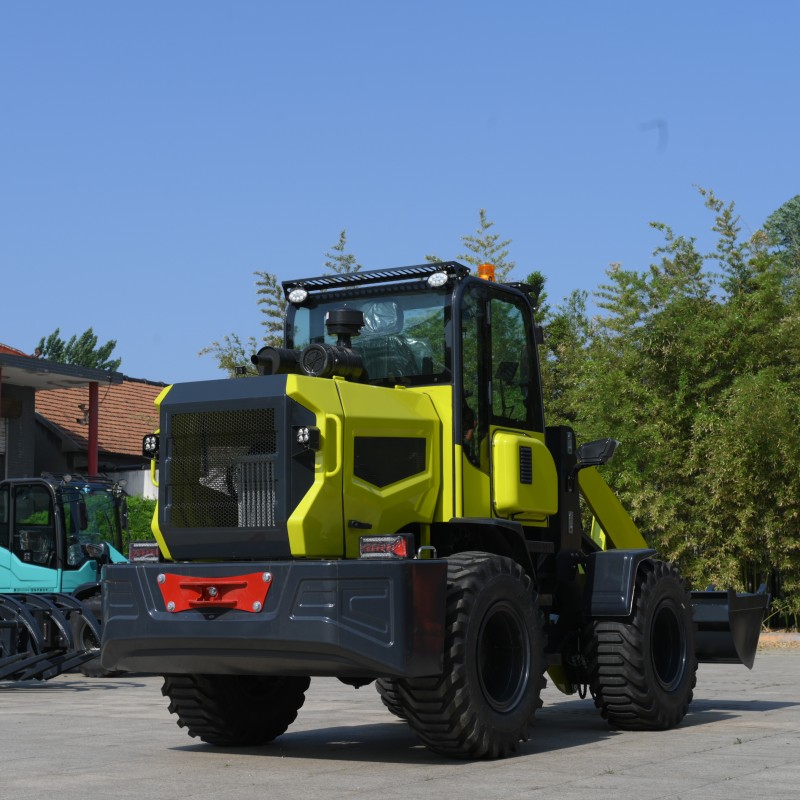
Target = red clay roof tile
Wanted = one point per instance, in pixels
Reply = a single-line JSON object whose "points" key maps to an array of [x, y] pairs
{"points": [[126, 413], [11, 351]]}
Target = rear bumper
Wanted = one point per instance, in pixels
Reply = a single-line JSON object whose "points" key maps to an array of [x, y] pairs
{"points": [[336, 618]]}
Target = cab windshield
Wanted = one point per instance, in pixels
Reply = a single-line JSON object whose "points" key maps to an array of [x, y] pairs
{"points": [[406, 335], [90, 515]]}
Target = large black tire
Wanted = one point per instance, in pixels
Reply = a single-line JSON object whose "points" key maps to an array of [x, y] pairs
{"points": [[87, 639], [235, 710], [387, 689], [486, 696], [642, 669]]}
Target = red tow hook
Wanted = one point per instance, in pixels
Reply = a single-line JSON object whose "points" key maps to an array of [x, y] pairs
{"points": [[241, 592]]}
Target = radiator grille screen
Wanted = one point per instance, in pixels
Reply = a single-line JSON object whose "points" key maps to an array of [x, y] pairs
{"points": [[222, 469]]}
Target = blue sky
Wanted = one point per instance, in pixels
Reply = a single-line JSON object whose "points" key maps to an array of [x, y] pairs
{"points": [[153, 155]]}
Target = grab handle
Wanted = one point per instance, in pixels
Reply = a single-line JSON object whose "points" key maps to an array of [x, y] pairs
{"points": [[337, 424]]}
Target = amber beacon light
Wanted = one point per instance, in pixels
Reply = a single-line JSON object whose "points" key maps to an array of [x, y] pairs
{"points": [[486, 272]]}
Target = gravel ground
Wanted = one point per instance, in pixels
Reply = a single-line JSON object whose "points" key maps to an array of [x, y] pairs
{"points": [[779, 640]]}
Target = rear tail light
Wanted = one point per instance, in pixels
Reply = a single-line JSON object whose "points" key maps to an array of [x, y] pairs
{"points": [[397, 545]]}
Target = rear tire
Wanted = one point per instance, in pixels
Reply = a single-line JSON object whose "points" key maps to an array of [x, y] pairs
{"points": [[387, 689], [489, 689], [235, 710], [86, 636], [94, 669], [642, 669]]}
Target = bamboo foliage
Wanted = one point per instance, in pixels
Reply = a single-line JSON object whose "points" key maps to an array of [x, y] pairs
{"points": [[692, 363]]}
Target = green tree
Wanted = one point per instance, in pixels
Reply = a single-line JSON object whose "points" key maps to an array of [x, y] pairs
{"points": [[339, 260], [745, 457], [140, 517], [783, 228], [272, 301], [692, 365], [562, 357], [484, 247], [232, 353], [536, 281], [80, 350]]}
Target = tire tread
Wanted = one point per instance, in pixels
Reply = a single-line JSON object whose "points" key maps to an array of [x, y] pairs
{"points": [[619, 673]]}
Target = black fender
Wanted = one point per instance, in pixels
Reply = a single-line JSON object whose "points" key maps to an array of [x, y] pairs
{"points": [[86, 590], [90, 597], [501, 537], [611, 580]]}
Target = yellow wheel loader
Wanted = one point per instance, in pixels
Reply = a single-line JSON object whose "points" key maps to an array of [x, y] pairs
{"points": [[384, 503]]}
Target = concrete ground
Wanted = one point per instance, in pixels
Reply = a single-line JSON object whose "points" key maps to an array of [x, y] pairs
{"points": [[75, 737]]}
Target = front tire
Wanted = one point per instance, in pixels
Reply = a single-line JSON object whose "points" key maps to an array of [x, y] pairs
{"points": [[482, 703], [235, 710], [642, 669]]}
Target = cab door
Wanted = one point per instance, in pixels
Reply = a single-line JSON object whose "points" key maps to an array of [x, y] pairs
{"points": [[32, 539], [507, 470]]}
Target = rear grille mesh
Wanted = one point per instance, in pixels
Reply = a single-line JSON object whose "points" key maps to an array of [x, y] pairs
{"points": [[256, 482], [222, 469]]}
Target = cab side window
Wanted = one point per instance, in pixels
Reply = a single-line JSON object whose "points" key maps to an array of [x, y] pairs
{"points": [[515, 390], [474, 373], [34, 539]]}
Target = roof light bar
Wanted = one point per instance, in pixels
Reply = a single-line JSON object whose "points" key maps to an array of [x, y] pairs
{"points": [[392, 275]]}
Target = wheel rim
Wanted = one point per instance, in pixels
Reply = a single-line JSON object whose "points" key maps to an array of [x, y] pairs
{"points": [[503, 657], [668, 649]]}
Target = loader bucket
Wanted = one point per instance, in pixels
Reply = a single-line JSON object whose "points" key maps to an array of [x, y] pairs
{"points": [[728, 626]]}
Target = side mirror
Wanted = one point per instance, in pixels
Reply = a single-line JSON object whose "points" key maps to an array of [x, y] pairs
{"points": [[597, 453], [99, 552]]}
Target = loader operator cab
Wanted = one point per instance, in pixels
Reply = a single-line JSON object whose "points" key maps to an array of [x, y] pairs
{"points": [[447, 328], [402, 340]]}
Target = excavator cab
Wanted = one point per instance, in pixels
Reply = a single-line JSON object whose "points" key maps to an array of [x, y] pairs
{"points": [[56, 533]]}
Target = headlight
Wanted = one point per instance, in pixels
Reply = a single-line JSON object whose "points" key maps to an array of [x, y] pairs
{"points": [[437, 279], [150, 445], [307, 436], [298, 295]]}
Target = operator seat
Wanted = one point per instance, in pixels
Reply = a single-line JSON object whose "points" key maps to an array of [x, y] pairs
{"points": [[382, 346]]}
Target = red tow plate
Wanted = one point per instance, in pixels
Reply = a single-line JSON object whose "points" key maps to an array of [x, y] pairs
{"points": [[242, 592]]}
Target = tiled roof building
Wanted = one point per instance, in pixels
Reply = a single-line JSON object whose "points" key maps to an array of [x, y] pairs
{"points": [[45, 419], [10, 351], [125, 414]]}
